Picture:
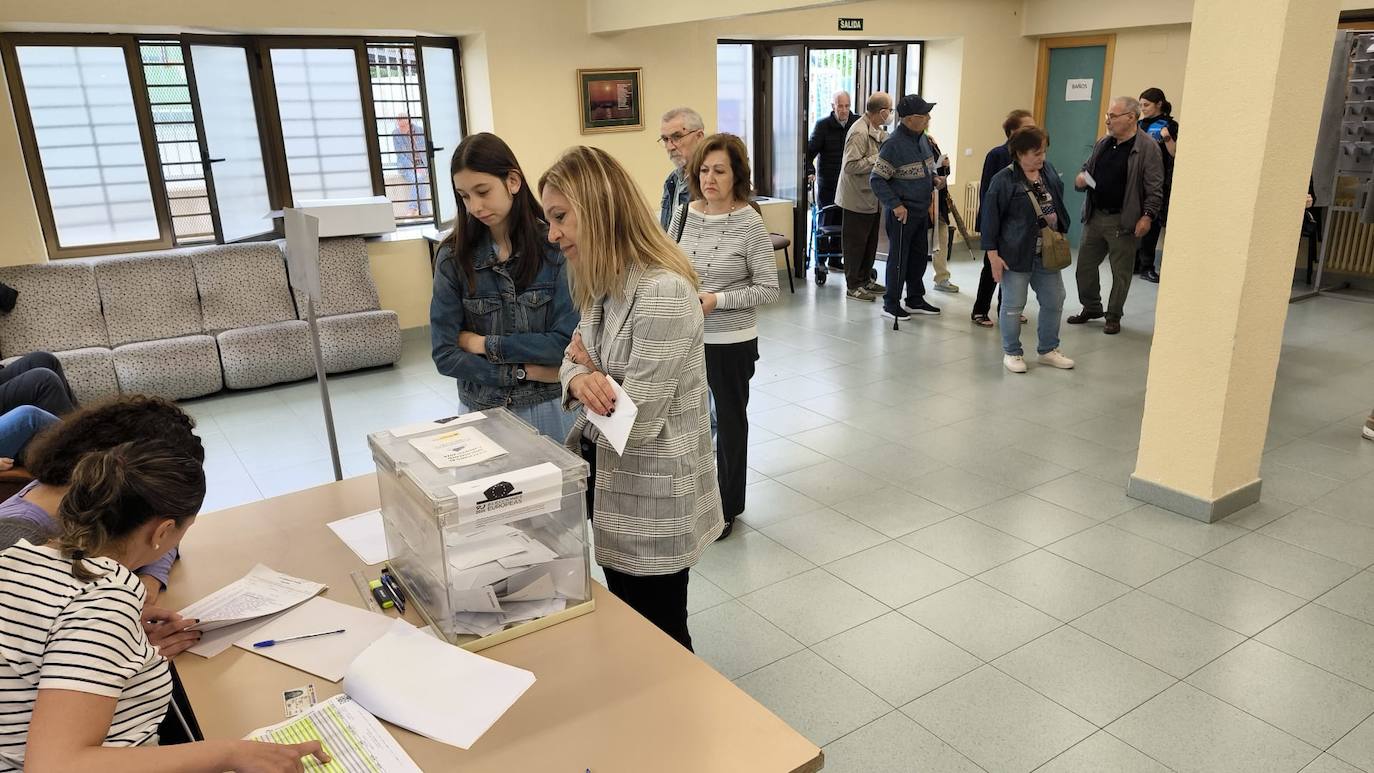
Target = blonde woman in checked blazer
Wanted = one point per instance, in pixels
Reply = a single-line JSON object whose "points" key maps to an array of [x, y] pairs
{"points": [[657, 506]]}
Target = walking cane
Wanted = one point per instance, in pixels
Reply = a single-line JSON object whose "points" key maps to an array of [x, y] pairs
{"points": [[901, 257]]}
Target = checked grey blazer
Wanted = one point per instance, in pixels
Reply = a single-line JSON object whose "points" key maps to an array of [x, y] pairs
{"points": [[657, 507]]}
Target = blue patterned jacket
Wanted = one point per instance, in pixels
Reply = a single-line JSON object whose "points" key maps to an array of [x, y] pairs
{"points": [[905, 172]]}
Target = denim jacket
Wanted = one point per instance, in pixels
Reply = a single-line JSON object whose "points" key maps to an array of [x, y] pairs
{"points": [[669, 204], [1010, 224], [530, 326]]}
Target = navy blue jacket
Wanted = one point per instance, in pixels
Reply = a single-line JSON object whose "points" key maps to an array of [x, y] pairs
{"points": [[1010, 224], [997, 159], [905, 172], [533, 325]]}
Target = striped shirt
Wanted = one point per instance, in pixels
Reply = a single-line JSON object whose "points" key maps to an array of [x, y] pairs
{"points": [[734, 258], [58, 633]]}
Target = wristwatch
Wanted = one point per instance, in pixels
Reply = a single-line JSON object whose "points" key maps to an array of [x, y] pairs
{"points": [[520, 373]]}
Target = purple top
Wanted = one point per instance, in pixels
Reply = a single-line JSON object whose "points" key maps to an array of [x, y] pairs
{"points": [[22, 519]]}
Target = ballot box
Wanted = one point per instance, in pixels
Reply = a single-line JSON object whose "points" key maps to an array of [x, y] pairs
{"points": [[486, 525]]}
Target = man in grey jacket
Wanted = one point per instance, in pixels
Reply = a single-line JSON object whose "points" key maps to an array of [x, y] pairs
{"points": [[1124, 178], [859, 231]]}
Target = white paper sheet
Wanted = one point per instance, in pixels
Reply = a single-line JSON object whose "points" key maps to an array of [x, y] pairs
{"points": [[353, 738], [541, 588], [617, 426], [519, 611], [214, 642], [1087, 178], [426, 426], [433, 688], [261, 592], [535, 552], [364, 535], [458, 448], [480, 547], [325, 656]]}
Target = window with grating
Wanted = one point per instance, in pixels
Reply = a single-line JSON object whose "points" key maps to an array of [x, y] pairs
{"points": [[178, 143], [402, 137]]}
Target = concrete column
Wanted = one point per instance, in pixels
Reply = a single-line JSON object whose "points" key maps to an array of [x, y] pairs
{"points": [[1254, 84]]}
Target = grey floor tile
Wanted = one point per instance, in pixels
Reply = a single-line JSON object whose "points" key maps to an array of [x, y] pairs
{"points": [[1102, 752], [1014, 468], [895, 658], [747, 562], [813, 606], [1322, 460], [1065, 450], [1263, 512], [1321, 533], [1033, 520], [894, 744], [1354, 597], [769, 502], [980, 619], [788, 420], [967, 545], [1086, 495], [830, 482], [1173, 640], [1282, 565], [1179, 532], [1350, 502], [1292, 695], [1114, 467], [814, 697], [703, 594], [957, 489], [1293, 485], [798, 388], [895, 512], [823, 536], [835, 440], [735, 640], [1235, 601], [781, 456], [1328, 764], [1095, 681], [1328, 639], [1118, 554], [1192, 732], [1054, 585], [894, 573], [997, 722], [1357, 748]]}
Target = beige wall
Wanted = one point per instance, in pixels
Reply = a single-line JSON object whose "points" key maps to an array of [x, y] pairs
{"points": [[612, 15], [1151, 56]]}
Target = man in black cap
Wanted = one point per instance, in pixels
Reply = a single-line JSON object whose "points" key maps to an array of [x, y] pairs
{"points": [[904, 180]]}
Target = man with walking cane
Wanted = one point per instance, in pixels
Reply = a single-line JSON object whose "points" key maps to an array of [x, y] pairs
{"points": [[904, 179]]}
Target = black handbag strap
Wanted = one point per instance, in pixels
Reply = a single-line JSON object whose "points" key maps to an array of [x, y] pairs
{"points": [[681, 223]]}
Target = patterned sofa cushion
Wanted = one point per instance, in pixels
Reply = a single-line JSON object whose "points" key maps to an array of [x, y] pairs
{"points": [[90, 372], [58, 309], [174, 368], [363, 340], [148, 297], [241, 285], [267, 354], [346, 285]]}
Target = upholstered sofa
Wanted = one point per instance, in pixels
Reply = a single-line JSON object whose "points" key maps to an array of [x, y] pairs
{"points": [[189, 322]]}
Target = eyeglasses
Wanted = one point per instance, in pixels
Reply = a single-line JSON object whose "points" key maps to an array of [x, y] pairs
{"points": [[1114, 116], [676, 139]]}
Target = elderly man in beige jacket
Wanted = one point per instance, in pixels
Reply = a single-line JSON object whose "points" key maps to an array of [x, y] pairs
{"points": [[859, 232]]}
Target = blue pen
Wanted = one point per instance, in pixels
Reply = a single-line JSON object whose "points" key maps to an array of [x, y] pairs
{"points": [[394, 589], [271, 642]]}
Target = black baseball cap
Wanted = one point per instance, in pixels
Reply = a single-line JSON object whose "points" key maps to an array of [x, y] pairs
{"points": [[912, 104]]}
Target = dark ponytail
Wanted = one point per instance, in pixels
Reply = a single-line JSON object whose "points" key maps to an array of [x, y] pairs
{"points": [[1156, 95], [115, 491]]}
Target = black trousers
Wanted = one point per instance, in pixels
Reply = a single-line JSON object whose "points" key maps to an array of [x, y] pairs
{"points": [[171, 731], [1145, 257], [659, 598], [728, 370], [986, 284], [907, 255], [36, 379]]}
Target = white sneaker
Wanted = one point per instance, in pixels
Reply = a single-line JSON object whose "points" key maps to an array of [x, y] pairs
{"points": [[1056, 359], [947, 287], [1014, 362]]}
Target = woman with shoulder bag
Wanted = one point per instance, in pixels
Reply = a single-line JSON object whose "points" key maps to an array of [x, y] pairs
{"points": [[728, 244], [1023, 221]]}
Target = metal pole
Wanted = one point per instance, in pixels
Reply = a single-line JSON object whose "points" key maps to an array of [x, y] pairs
{"points": [[324, 386]]}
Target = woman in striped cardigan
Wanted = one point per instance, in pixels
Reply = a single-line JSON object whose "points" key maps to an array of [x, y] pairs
{"points": [[724, 235]]}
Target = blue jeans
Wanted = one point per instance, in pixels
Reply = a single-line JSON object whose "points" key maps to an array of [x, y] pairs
{"points": [[18, 426], [1049, 292], [548, 417]]}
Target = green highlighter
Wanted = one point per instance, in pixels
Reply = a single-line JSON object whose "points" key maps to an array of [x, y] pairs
{"points": [[380, 593]]}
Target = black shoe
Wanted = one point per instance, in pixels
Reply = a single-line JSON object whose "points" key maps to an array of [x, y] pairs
{"points": [[837, 265], [1083, 316], [898, 313], [1151, 276], [729, 526], [919, 306], [1112, 327]]}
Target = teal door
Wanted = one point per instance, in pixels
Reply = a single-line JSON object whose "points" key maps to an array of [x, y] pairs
{"points": [[1073, 121]]}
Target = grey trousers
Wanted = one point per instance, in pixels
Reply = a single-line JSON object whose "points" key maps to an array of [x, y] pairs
{"points": [[1103, 237]]}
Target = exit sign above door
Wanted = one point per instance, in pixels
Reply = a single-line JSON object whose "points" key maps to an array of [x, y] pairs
{"points": [[851, 25]]}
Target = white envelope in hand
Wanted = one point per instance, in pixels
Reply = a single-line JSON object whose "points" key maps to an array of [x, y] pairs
{"points": [[617, 426]]}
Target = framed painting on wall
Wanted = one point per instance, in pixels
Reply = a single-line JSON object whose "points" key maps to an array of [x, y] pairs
{"points": [[610, 100]]}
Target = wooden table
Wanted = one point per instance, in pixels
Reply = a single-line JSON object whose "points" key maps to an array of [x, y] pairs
{"points": [[613, 693]]}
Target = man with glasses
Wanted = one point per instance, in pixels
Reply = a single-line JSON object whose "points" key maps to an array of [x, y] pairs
{"points": [[859, 229], [679, 133], [1124, 178]]}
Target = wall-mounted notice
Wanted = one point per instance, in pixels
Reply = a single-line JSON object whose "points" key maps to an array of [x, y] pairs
{"points": [[1078, 90]]}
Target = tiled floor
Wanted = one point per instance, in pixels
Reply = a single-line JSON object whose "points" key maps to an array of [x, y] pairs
{"points": [[939, 569]]}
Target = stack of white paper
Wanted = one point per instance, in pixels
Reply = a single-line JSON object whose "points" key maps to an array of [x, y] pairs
{"points": [[432, 688], [355, 741], [324, 656], [364, 535], [501, 575], [244, 605]]}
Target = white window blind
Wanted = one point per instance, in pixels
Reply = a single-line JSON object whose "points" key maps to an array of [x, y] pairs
{"points": [[321, 115]]}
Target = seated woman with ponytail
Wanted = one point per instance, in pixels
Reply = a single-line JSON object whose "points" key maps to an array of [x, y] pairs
{"points": [[81, 687]]}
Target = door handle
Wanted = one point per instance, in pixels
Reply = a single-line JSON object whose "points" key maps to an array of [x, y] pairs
{"points": [[212, 160]]}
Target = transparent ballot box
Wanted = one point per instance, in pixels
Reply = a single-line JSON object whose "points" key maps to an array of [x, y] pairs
{"points": [[486, 525]]}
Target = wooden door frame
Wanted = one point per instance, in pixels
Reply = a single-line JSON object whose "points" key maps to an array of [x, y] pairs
{"points": [[1042, 71]]}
